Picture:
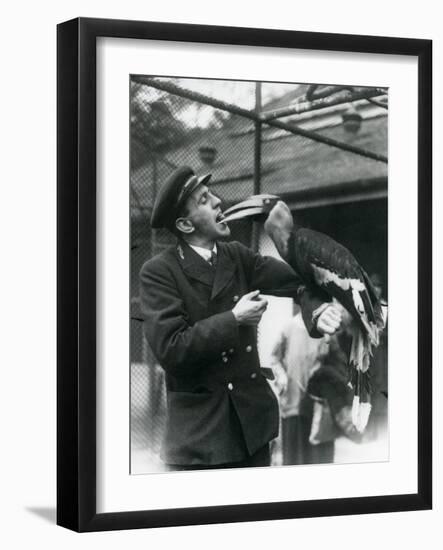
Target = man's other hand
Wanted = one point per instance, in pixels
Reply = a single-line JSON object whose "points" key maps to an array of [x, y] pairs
{"points": [[280, 382], [329, 321], [250, 308]]}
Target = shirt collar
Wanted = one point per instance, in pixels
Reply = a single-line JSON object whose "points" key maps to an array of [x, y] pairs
{"points": [[204, 252]]}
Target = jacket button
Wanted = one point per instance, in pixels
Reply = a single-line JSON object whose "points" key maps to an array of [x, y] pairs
{"points": [[225, 359], [249, 349], [235, 299], [231, 351], [230, 386], [254, 375], [223, 353]]}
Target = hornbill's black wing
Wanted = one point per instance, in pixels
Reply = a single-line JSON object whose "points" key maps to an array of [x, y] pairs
{"points": [[322, 261]]}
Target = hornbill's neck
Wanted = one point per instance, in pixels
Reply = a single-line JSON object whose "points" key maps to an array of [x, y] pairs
{"points": [[280, 226], [291, 256], [277, 217]]}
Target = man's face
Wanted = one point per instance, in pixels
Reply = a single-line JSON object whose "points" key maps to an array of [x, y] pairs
{"points": [[204, 211]]}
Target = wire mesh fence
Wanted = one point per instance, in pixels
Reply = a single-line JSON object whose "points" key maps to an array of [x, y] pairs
{"points": [[315, 163]]}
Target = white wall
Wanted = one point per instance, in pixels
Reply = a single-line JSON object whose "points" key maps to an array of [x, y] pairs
{"points": [[27, 218]]}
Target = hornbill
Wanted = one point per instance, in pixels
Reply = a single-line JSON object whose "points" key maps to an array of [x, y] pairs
{"points": [[322, 262]]}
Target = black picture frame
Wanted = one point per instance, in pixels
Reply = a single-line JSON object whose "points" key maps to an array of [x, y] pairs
{"points": [[76, 265]]}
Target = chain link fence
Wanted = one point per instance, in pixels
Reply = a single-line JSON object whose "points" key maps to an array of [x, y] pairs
{"points": [[333, 176]]}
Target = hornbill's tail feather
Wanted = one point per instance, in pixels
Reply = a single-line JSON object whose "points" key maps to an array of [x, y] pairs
{"points": [[376, 306], [361, 351], [360, 413]]}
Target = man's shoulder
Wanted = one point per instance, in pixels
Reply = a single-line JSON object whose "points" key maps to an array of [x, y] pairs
{"points": [[235, 248], [161, 261]]}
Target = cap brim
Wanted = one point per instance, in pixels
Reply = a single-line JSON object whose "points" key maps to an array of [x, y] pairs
{"points": [[204, 179]]}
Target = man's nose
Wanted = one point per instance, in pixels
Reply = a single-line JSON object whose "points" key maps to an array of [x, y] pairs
{"points": [[216, 201]]}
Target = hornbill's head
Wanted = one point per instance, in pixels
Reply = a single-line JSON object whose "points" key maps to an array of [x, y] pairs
{"points": [[269, 209]]}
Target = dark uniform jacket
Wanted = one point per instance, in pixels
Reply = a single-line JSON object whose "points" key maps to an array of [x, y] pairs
{"points": [[220, 407]]}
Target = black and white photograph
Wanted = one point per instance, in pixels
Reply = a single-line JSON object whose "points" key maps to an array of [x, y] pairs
{"points": [[243, 275], [258, 274], [221, 275]]}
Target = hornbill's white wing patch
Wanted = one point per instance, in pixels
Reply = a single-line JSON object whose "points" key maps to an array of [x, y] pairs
{"points": [[324, 276]]}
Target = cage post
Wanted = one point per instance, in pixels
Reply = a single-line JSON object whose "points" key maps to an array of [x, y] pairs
{"points": [[257, 157], [154, 196]]}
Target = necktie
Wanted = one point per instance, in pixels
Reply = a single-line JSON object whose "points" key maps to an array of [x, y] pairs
{"points": [[213, 259]]}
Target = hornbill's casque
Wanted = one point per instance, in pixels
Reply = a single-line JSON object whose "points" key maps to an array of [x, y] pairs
{"points": [[322, 262]]}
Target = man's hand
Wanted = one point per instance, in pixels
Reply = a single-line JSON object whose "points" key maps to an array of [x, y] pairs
{"points": [[250, 308], [280, 381], [329, 320]]}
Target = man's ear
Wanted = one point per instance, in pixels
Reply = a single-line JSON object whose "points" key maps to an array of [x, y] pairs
{"points": [[184, 225]]}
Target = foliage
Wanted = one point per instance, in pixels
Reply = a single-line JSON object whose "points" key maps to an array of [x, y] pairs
{"points": [[161, 122], [155, 128]]}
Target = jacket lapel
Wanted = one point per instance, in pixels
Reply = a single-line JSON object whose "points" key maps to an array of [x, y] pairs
{"points": [[194, 265], [224, 271]]}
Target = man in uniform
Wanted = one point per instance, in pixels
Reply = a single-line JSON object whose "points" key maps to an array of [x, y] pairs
{"points": [[201, 302]]}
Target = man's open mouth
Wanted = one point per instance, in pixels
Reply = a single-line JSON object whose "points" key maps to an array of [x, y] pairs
{"points": [[220, 217]]}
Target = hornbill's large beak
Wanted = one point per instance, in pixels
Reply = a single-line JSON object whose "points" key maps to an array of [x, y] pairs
{"points": [[255, 206]]}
